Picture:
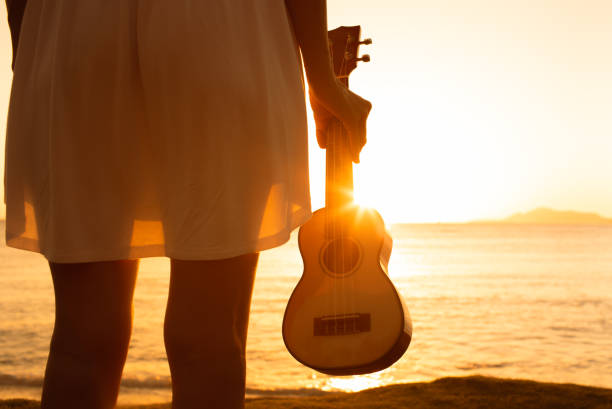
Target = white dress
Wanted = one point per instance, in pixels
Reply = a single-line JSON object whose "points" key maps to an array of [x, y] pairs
{"points": [[148, 128]]}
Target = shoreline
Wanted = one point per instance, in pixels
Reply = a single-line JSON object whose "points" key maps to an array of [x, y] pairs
{"points": [[451, 392]]}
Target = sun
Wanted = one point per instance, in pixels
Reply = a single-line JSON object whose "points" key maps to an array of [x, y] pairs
{"points": [[372, 195]]}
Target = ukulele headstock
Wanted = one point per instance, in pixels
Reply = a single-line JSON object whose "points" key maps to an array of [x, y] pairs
{"points": [[344, 48]]}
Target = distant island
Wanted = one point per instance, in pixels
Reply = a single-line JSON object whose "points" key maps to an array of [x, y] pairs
{"points": [[544, 215]]}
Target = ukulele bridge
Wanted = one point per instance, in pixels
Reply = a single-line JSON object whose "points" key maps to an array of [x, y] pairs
{"points": [[344, 324]]}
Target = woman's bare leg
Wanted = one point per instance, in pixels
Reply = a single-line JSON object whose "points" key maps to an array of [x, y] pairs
{"points": [[205, 331], [93, 323]]}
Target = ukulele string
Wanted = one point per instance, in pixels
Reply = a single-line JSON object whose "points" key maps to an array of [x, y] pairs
{"points": [[330, 251], [333, 205], [339, 151], [333, 209], [346, 157], [337, 158], [344, 178], [340, 156]]}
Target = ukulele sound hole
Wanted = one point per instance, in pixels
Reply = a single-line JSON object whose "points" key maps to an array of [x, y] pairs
{"points": [[341, 256]]}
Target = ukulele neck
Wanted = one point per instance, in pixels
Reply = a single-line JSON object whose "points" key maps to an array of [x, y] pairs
{"points": [[339, 169]]}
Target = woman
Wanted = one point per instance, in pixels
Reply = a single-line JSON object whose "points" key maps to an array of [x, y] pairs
{"points": [[148, 128]]}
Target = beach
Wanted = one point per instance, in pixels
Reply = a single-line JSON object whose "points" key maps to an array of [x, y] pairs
{"points": [[453, 392]]}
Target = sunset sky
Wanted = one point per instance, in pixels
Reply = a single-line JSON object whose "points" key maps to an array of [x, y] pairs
{"points": [[482, 108]]}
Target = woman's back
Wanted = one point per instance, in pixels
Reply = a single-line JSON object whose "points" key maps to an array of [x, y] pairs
{"points": [[155, 128]]}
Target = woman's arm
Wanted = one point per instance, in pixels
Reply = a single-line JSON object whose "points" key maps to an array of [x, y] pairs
{"points": [[328, 97], [15, 9], [309, 18]]}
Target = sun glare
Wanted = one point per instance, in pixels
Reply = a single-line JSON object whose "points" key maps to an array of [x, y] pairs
{"points": [[356, 383]]}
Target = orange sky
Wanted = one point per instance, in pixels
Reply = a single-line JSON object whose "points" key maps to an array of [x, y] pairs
{"points": [[481, 108]]}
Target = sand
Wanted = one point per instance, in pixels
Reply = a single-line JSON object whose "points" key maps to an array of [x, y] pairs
{"points": [[457, 393]]}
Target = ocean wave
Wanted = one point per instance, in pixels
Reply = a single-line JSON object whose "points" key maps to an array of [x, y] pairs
{"points": [[483, 365], [286, 392], [157, 382], [12, 380], [566, 328]]}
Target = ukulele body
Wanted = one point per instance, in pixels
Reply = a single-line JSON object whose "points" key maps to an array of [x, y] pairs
{"points": [[345, 317]]}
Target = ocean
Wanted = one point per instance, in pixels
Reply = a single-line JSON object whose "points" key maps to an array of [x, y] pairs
{"points": [[517, 301]]}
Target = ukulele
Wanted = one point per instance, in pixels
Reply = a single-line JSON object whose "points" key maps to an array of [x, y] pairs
{"points": [[345, 317]]}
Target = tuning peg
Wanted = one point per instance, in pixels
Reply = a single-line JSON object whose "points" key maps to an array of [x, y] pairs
{"points": [[364, 58], [367, 41]]}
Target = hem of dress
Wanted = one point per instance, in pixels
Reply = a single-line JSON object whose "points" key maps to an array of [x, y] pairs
{"points": [[160, 250]]}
